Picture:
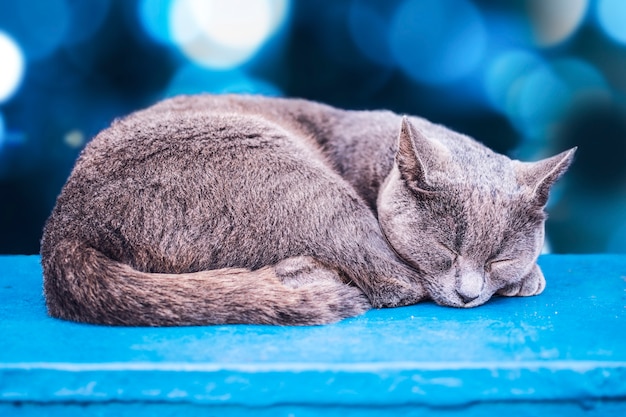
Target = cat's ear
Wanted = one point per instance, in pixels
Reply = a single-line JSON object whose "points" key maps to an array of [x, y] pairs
{"points": [[540, 176], [415, 150]]}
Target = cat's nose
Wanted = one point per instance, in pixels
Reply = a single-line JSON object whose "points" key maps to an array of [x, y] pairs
{"points": [[470, 286]]}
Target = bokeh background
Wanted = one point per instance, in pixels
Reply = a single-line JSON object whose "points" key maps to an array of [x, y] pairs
{"points": [[526, 77]]}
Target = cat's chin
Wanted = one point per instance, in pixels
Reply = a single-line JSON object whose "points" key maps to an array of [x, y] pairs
{"points": [[454, 300], [460, 304]]}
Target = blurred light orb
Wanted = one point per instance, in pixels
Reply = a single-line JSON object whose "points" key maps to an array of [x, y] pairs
{"points": [[535, 94], [437, 42], [74, 138], [224, 34], [536, 100], [554, 21], [507, 30], [503, 73], [583, 80], [39, 26], [369, 30], [85, 18], [12, 67], [540, 101], [154, 16], [611, 16], [2, 131], [194, 79]]}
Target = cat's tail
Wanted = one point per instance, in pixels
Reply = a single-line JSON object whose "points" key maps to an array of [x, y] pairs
{"points": [[82, 284]]}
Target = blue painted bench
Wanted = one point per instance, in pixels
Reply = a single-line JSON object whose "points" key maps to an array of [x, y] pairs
{"points": [[561, 353]]}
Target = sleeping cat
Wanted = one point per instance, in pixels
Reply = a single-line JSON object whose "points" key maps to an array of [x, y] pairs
{"points": [[245, 209]]}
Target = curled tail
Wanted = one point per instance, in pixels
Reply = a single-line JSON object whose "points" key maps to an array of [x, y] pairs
{"points": [[82, 284]]}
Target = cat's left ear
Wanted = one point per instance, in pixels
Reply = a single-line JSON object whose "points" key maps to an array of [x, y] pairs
{"points": [[416, 156], [540, 176]]}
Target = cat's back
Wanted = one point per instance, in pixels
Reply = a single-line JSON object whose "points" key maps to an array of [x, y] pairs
{"points": [[163, 180], [182, 133]]}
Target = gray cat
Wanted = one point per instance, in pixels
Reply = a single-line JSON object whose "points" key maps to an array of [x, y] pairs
{"points": [[243, 209]]}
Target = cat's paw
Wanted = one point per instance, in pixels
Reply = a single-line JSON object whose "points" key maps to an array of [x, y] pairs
{"points": [[323, 287], [395, 293], [351, 302], [532, 284]]}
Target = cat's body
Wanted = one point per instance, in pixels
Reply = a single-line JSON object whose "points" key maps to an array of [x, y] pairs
{"points": [[224, 209]]}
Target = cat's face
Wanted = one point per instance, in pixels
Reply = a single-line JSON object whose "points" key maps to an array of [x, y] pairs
{"points": [[468, 245], [472, 237]]}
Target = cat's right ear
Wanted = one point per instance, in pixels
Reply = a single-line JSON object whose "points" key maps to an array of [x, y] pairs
{"points": [[540, 176], [414, 151]]}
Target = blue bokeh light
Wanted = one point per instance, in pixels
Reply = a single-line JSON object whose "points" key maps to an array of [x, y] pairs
{"points": [[12, 67], [2, 131], [194, 79], [154, 16], [507, 31], [528, 78], [555, 21], [369, 31], [536, 103], [535, 94], [583, 80], [222, 34], [504, 71], [40, 26], [8, 139], [437, 42], [217, 34], [86, 18], [611, 17]]}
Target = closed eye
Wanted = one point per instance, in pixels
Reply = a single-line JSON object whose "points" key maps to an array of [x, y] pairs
{"points": [[448, 261], [498, 263], [446, 247]]}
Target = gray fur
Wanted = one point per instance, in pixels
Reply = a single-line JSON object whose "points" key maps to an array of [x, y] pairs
{"points": [[244, 209]]}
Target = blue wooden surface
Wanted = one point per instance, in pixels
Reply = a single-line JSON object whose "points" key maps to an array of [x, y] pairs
{"points": [[560, 353]]}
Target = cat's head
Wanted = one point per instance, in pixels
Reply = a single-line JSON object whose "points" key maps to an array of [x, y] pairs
{"points": [[469, 220]]}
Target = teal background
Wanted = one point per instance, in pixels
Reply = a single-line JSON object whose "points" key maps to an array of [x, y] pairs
{"points": [[529, 78]]}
